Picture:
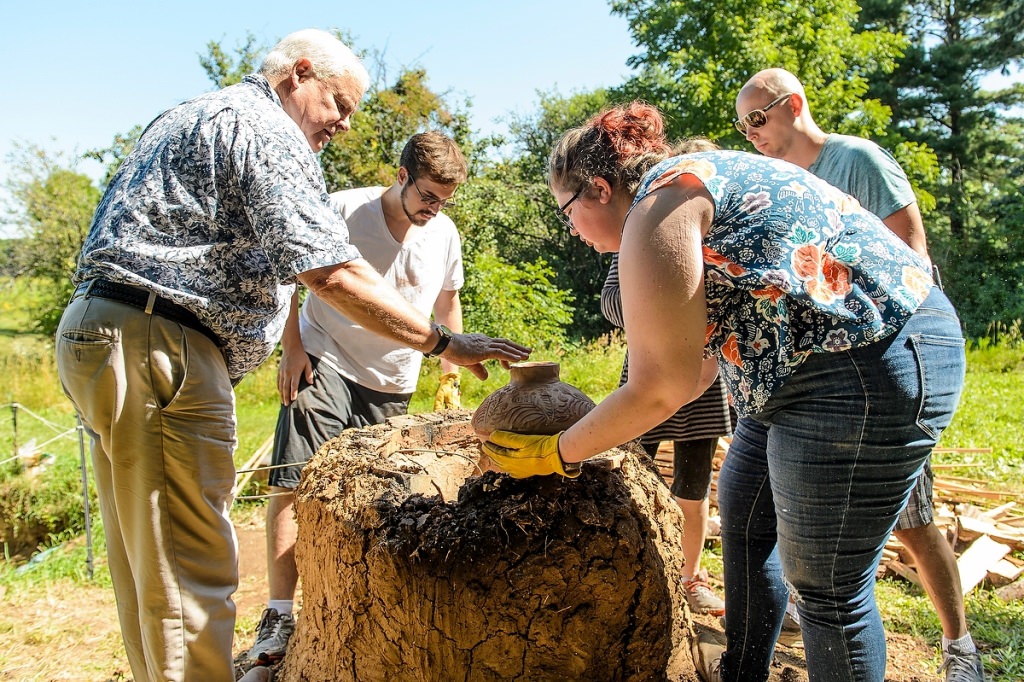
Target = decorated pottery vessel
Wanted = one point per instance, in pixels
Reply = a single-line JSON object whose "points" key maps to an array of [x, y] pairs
{"points": [[534, 401]]}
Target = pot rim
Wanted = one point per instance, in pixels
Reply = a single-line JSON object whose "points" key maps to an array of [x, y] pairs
{"points": [[533, 363]]}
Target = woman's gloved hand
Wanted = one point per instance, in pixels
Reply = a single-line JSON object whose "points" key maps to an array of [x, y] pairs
{"points": [[523, 455]]}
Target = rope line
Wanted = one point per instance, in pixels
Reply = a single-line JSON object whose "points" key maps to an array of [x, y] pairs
{"points": [[52, 425]]}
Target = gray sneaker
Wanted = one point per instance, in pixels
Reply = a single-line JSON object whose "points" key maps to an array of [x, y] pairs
{"points": [[961, 666], [707, 657], [701, 598], [272, 635]]}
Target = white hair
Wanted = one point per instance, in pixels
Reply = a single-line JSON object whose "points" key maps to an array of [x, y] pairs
{"points": [[329, 57]]}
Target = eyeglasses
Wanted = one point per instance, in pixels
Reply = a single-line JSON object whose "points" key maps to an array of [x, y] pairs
{"points": [[430, 200], [566, 218], [758, 117]]}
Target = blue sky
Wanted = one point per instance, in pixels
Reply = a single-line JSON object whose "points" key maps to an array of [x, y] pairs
{"points": [[78, 73]]}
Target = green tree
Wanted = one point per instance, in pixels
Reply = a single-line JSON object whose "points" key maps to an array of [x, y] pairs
{"points": [[694, 57], [224, 69], [517, 301], [388, 116], [56, 204], [510, 210], [112, 156], [937, 101]]}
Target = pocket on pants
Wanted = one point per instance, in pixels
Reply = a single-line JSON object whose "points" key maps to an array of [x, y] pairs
{"points": [[941, 364]]}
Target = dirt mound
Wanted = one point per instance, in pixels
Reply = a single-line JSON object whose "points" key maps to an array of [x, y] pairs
{"points": [[497, 578]]}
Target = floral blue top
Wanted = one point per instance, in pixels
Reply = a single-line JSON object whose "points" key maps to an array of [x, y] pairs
{"points": [[219, 206], [792, 266]]}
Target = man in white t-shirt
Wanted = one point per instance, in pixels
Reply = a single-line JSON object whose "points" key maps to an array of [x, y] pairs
{"points": [[335, 374]]}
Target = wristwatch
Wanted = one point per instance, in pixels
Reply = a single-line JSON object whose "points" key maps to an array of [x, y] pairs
{"points": [[445, 335], [571, 467]]}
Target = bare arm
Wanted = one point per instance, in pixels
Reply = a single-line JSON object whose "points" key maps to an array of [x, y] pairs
{"points": [[294, 362], [661, 269], [448, 311], [358, 292], [907, 224]]}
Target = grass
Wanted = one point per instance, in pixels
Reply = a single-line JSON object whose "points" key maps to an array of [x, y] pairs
{"points": [[991, 415], [995, 625]]}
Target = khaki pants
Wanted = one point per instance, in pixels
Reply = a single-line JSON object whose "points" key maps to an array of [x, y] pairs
{"points": [[156, 400]]}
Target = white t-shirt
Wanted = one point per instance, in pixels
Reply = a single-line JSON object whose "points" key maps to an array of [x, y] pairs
{"points": [[429, 261]]}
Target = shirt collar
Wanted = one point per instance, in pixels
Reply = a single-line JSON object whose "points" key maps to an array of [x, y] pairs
{"points": [[260, 82]]}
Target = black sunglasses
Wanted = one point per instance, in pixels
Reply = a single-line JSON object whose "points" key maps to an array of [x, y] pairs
{"points": [[758, 117], [562, 215]]}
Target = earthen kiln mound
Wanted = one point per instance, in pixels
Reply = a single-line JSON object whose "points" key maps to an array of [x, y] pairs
{"points": [[417, 566]]}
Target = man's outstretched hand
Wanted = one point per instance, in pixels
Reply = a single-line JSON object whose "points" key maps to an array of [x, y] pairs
{"points": [[470, 350]]}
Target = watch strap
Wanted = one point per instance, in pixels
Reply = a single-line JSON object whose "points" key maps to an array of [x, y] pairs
{"points": [[445, 335]]}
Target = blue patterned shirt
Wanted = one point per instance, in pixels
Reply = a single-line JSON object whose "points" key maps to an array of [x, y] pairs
{"points": [[792, 266], [219, 206]]}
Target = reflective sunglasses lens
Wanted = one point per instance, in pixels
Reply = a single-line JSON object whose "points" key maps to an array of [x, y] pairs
{"points": [[756, 118]]}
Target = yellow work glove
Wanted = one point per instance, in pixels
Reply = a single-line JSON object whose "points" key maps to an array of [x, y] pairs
{"points": [[449, 393], [522, 455]]}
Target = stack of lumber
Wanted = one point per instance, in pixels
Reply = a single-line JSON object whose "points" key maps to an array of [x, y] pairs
{"points": [[984, 526]]}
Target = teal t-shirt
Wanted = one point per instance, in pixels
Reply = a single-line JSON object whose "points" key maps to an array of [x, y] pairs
{"points": [[862, 168]]}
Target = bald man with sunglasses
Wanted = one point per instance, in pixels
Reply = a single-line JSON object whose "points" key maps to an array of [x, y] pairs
{"points": [[775, 118]]}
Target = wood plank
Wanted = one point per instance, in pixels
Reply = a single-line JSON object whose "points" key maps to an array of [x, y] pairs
{"points": [[250, 468], [954, 489], [905, 572], [964, 480], [972, 510], [972, 527], [1004, 572], [982, 451], [1000, 511], [1012, 592], [974, 563]]}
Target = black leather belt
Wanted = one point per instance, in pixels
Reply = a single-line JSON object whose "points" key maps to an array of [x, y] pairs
{"points": [[137, 297]]}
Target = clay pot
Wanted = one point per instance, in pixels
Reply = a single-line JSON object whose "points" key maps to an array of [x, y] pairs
{"points": [[534, 401]]}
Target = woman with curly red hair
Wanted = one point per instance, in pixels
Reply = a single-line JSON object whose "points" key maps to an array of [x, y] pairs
{"points": [[825, 327]]}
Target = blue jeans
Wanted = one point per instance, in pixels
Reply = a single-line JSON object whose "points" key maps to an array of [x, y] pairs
{"points": [[812, 486]]}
